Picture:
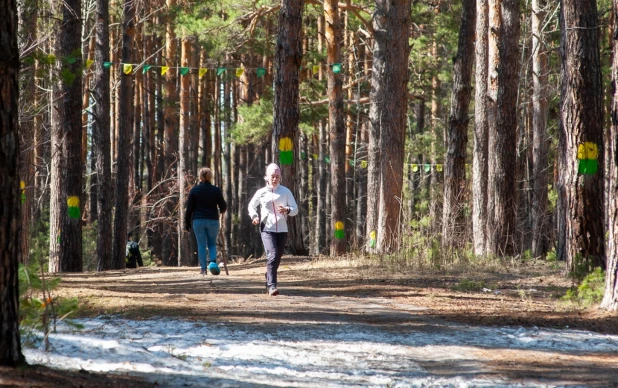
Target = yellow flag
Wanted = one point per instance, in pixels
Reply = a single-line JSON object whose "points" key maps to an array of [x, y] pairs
{"points": [[164, 69], [89, 63], [438, 167], [239, 71], [316, 69], [202, 71], [127, 68], [363, 163]]}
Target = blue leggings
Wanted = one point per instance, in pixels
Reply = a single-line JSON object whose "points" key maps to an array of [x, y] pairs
{"points": [[206, 232]]}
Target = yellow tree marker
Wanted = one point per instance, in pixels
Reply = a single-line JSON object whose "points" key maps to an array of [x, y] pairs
{"points": [[339, 230], [286, 153], [22, 186], [127, 68], [73, 204], [373, 239]]}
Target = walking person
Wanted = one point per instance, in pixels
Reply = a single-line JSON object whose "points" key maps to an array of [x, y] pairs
{"points": [[204, 204], [133, 254], [277, 204]]}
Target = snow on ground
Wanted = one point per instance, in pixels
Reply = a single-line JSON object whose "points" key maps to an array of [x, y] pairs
{"points": [[178, 353]]}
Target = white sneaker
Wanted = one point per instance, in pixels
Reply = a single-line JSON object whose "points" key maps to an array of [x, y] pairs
{"points": [[272, 291]]}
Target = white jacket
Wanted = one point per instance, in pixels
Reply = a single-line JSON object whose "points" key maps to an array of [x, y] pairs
{"points": [[270, 198]]}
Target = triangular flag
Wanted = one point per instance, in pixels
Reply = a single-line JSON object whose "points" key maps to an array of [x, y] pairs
{"points": [[261, 72], [351, 161], [363, 163], [146, 68], [220, 70], [316, 69], [107, 65], [164, 69], [327, 159], [89, 63], [415, 168], [438, 167], [427, 167], [184, 70], [127, 68], [315, 156], [71, 60], [336, 68], [202, 71], [239, 71]]}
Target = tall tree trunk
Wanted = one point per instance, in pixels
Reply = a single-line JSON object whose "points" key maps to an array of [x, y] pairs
{"points": [[389, 102], [437, 132], [502, 127], [320, 213], [29, 16], [336, 127], [610, 297], [540, 138], [171, 133], [124, 139], [480, 153], [65, 218], [184, 247], [10, 344], [101, 137], [227, 160], [580, 196], [453, 225], [288, 60]]}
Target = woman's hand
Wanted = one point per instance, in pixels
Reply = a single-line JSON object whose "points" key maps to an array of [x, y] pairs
{"points": [[283, 210], [256, 221]]}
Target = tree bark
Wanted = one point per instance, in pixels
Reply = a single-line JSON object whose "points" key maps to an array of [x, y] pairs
{"points": [[101, 137], [480, 153], [540, 137], [453, 225], [502, 127], [184, 247], [10, 344], [336, 128], [125, 113], [610, 297], [580, 197], [65, 218], [391, 22], [288, 60]]}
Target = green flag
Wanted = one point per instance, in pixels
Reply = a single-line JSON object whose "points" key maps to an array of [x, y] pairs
{"points": [[261, 72], [184, 70]]}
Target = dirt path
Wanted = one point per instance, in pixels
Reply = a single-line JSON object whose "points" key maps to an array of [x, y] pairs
{"points": [[440, 332]]}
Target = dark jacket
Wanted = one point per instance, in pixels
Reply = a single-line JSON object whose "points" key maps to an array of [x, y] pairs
{"points": [[134, 256], [205, 201]]}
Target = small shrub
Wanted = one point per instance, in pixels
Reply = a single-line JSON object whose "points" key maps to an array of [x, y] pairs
{"points": [[467, 285], [590, 291]]}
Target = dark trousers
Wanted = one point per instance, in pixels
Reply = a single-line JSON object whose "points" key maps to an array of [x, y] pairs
{"points": [[273, 245]]}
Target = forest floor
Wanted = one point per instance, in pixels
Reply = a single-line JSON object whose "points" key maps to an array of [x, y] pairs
{"points": [[373, 297]]}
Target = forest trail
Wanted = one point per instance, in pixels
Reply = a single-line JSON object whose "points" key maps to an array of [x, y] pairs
{"points": [[331, 326]]}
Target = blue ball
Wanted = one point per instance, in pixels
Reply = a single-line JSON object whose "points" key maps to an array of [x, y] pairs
{"points": [[214, 268]]}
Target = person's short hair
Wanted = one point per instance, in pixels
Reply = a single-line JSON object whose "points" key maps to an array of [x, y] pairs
{"points": [[205, 174], [129, 234]]}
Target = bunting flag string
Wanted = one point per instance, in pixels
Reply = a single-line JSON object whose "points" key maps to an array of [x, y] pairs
{"points": [[129, 68], [415, 167]]}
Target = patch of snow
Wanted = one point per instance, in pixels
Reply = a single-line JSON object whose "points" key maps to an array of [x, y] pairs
{"points": [[176, 352]]}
